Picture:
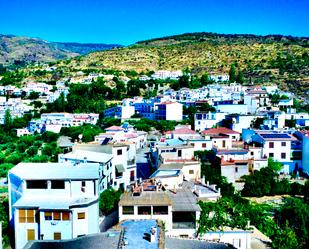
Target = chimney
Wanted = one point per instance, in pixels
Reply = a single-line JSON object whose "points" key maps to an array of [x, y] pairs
{"points": [[203, 180], [219, 191], [207, 183]]}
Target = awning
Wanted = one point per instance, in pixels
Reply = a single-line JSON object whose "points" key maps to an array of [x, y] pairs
{"points": [[120, 168]]}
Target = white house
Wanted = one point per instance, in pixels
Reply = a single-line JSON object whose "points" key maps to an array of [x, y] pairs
{"points": [[183, 132], [177, 208], [168, 111], [206, 120], [53, 201], [277, 146], [117, 162]]}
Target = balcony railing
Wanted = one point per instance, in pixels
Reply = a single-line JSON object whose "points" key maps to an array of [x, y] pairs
{"points": [[184, 225]]}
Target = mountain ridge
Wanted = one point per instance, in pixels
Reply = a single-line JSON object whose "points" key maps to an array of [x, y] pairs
{"points": [[21, 50]]}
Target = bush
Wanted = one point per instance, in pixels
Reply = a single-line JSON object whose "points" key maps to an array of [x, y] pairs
{"points": [[4, 168], [108, 200]]}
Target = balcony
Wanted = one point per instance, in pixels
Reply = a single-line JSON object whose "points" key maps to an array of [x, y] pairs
{"points": [[184, 225]]}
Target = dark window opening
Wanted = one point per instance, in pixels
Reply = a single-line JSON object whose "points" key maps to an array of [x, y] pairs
{"points": [[36, 184], [183, 220], [179, 153], [160, 210], [144, 210], [128, 210], [57, 184]]}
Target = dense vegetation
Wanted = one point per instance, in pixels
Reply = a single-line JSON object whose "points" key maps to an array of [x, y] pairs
{"points": [[266, 182], [286, 225]]}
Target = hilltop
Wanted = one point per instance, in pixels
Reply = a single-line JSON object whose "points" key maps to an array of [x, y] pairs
{"points": [[19, 50], [279, 59]]}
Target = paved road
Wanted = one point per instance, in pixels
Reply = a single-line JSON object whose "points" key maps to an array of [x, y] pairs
{"points": [[109, 221]]}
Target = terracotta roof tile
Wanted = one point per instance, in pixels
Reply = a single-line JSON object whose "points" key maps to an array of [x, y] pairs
{"points": [[219, 130]]}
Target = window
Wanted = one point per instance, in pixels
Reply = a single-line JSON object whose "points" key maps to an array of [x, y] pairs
{"points": [[22, 215], [57, 184], [83, 186], [119, 152], [36, 184], [81, 215], [128, 210], [191, 171], [26, 215], [145, 210], [30, 234], [223, 143], [132, 175], [271, 155], [179, 153], [203, 145], [57, 216], [283, 144], [30, 216], [160, 210], [57, 236], [271, 144], [283, 155], [236, 169], [65, 215], [48, 216], [252, 153]]}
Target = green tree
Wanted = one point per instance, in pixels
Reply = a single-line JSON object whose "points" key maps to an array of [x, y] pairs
{"points": [[205, 80], [295, 213], [108, 200], [240, 77], [34, 95], [284, 238], [4, 168], [8, 121], [232, 73], [19, 122]]}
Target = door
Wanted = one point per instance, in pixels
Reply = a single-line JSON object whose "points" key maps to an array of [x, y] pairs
{"points": [[57, 236], [30, 234], [223, 144]]}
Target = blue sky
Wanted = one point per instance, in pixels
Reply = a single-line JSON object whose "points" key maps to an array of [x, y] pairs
{"points": [[128, 21]]}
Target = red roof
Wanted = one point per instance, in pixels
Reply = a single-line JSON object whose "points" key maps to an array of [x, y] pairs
{"points": [[183, 130], [167, 103], [219, 130], [114, 128], [130, 135]]}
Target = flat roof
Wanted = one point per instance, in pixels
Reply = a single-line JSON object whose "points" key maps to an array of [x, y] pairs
{"points": [[145, 199], [178, 166], [51, 171], [184, 201], [90, 156], [52, 203]]}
